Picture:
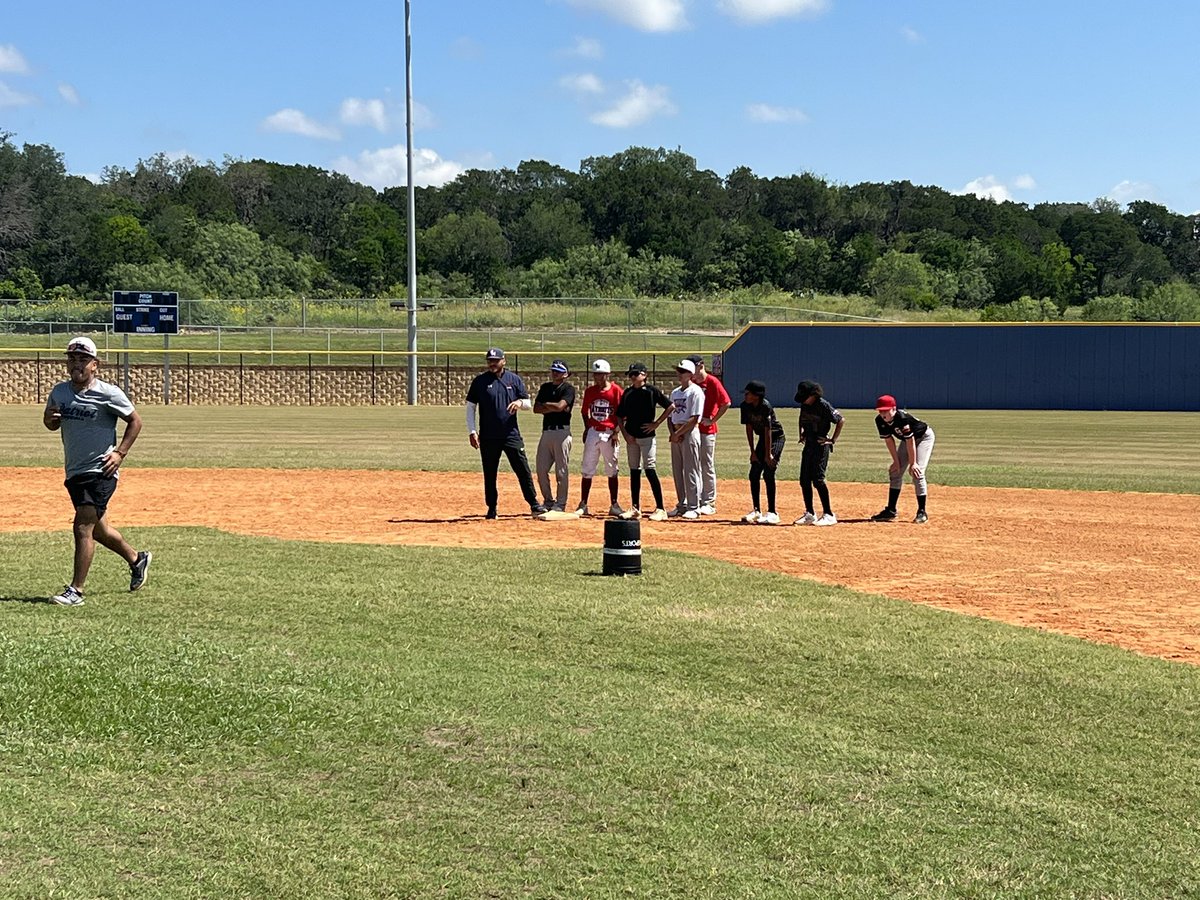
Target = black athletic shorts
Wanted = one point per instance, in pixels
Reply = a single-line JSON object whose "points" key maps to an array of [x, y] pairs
{"points": [[94, 489]]}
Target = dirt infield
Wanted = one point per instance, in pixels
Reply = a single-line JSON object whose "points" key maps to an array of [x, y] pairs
{"points": [[1108, 567]]}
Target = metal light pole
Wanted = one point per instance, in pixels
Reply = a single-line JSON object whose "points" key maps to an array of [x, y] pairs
{"points": [[412, 213]]}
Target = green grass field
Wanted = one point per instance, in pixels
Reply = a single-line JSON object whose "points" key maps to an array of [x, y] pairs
{"points": [[1055, 450], [276, 719]]}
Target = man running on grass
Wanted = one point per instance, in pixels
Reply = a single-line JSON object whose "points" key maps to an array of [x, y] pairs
{"points": [[85, 410]]}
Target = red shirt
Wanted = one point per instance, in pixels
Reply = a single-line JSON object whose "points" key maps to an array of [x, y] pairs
{"points": [[715, 396], [600, 406]]}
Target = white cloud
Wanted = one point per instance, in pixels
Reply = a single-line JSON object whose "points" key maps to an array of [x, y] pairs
{"points": [[756, 11], [11, 60], [771, 115], [69, 94], [9, 97], [387, 167], [585, 48], [364, 112], [911, 35], [292, 121], [583, 83], [644, 15], [639, 105], [1128, 191], [989, 187], [1024, 183]]}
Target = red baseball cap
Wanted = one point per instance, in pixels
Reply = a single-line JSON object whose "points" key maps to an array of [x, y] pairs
{"points": [[886, 401]]}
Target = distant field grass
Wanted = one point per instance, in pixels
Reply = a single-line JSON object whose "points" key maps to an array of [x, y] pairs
{"points": [[1070, 450], [275, 719]]}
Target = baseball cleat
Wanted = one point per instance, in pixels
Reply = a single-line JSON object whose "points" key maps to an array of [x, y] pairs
{"points": [[139, 572], [826, 519], [676, 512], [707, 510], [616, 512], [887, 514], [752, 517], [806, 519], [581, 509], [632, 513], [921, 518], [538, 510], [659, 515], [689, 514], [768, 519]]}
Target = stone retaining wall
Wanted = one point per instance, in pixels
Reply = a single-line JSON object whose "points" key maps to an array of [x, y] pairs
{"points": [[29, 381]]}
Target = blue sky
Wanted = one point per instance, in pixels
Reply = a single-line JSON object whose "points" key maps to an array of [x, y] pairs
{"points": [[1032, 100]]}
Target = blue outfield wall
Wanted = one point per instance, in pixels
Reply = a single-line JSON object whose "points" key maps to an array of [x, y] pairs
{"points": [[968, 366]]}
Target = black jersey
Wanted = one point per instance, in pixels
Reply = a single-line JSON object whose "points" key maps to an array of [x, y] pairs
{"points": [[760, 416], [639, 406], [552, 393], [904, 425], [816, 419]]}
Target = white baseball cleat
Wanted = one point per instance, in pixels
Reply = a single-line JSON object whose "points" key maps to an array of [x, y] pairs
{"points": [[707, 510], [827, 519], [768, 519], [689, 514], [806, 519], [659, 515], [752, 517]]}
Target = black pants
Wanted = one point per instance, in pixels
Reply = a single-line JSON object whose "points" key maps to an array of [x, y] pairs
{"points": [[514, 448], [814, 459]]}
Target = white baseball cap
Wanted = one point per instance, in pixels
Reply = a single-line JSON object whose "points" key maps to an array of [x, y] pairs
{"points": [[82, 345], [601, 367], [685, 365]]}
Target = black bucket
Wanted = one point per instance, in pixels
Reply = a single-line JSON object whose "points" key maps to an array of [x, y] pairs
{"points": [[622, 547]]}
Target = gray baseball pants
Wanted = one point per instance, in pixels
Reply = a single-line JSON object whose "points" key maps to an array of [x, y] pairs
{"points": [[554, 452]]}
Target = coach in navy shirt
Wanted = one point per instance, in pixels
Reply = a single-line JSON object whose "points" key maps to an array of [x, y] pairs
{"points": [[494, 398]]}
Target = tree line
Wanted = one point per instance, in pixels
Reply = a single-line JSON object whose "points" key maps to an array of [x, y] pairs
{"points": [[640, 223]]}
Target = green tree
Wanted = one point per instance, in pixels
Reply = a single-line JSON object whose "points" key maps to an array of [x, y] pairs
{"points": [[1114, 308], [473, 244], [1176, 301], [1023, 309], [548, 229], [901, 281]]}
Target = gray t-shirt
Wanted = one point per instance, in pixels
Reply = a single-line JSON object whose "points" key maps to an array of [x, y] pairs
{"points": [[89, 423]]}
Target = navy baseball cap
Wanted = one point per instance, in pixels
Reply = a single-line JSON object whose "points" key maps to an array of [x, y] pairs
{"points": [[559, 366], [635, 368], [495, 353], [696, 359], [755, 387]]}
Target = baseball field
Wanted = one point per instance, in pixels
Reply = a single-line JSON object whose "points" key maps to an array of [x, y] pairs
{"points": [[342, 681]]}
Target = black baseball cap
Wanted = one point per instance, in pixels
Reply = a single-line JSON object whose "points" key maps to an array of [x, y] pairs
{"points": [[559, 366], [495, 353], [755, 387], [696, 358], [635, 368]]}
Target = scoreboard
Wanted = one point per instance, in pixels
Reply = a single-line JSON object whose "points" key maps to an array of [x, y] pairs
{"points": [[146, 312]]}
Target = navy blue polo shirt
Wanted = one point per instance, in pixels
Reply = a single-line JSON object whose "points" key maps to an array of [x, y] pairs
{"points": [[493, 394]]}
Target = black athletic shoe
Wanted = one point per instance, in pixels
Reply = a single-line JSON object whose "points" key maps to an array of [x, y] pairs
{"points": [[139, 572], [921, 518], [537, 510], [887, 514], [491, 514]]}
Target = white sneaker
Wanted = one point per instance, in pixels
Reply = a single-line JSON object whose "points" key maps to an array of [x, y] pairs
{"points": [[768, 519], [689, 514], [616, 512], [707, 510], [633, 513], [806, 519], [68, 596], [752, 517], [827, 519], [659, 515]]}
